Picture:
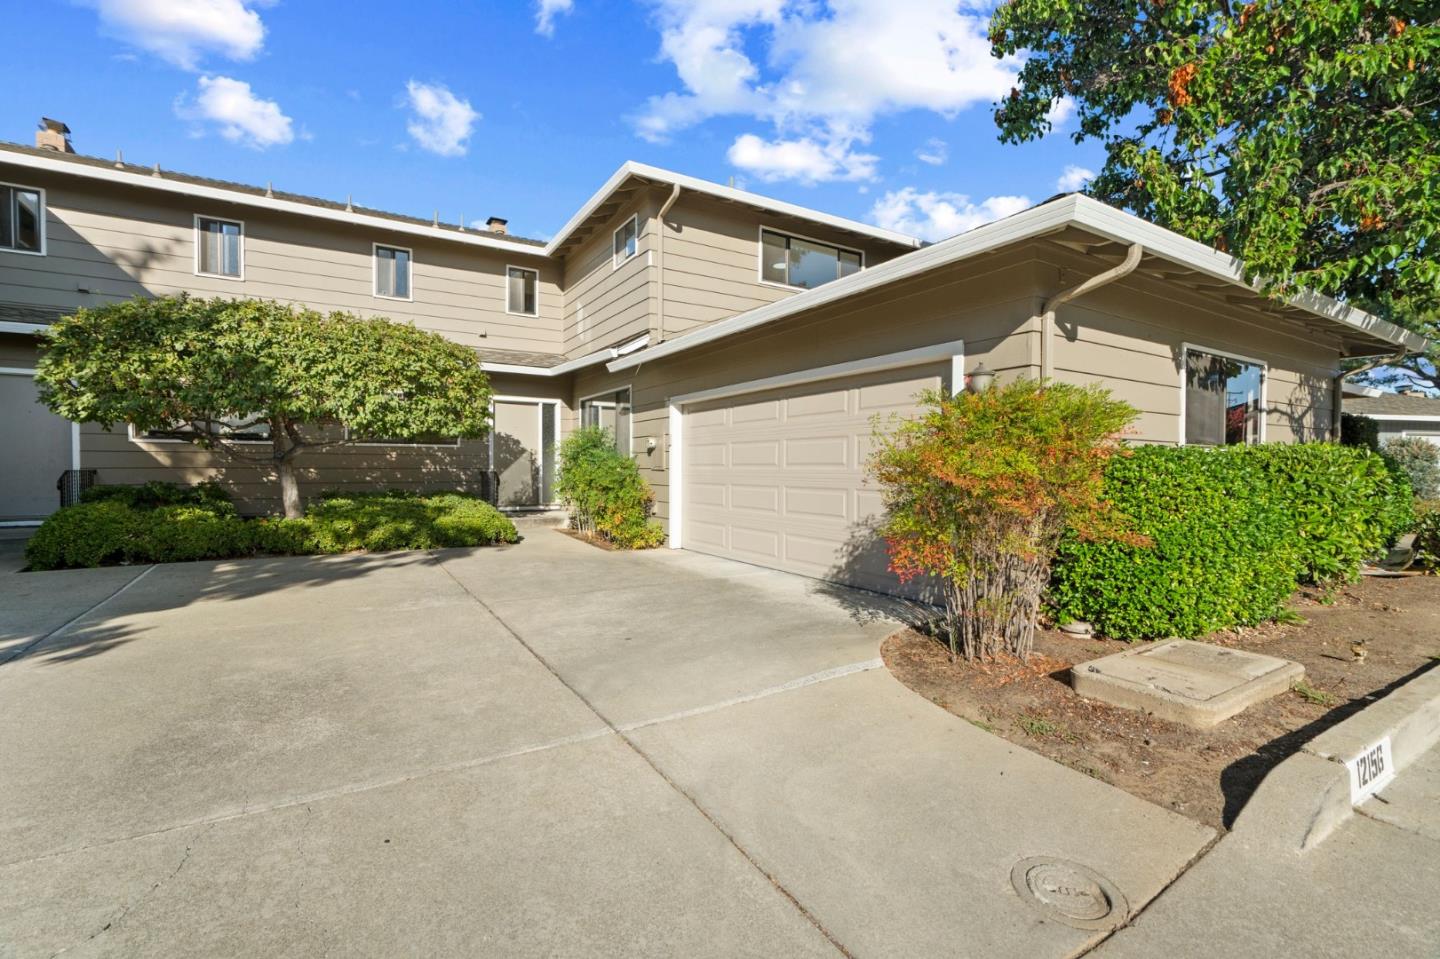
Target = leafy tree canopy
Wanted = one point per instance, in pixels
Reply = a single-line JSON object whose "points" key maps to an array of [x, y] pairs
{"points": [[1301, 137], [211, 369]]}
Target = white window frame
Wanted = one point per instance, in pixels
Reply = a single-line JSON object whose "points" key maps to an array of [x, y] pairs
{"points": [[399, 446], [44, 216], [1264, 410], [760, 255], [243, 232], [628, 388], [527, 269], [954, 351], [140, 439], [375, 272], [615, 261], [74, 442]]}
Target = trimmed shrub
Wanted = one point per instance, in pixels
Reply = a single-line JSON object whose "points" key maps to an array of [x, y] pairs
{"points": [[340, 523], [1419, 459], [208, 495], [1427, 534], [1357, 430], [1234, 530], [177, 534], [85, 535], [604, 491]]}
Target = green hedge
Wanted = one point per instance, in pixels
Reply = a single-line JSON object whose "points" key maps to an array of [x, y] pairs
{"points": [[1418, 459], [160, 523], [1232, 532], [605, 492]]}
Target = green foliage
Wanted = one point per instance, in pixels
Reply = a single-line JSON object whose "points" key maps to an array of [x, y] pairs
{"points": [[157, 524], [605, 492], [980, 488], [1427, 534], [207, 494], [1418, 459], [211, 366], [1297, 136], [1231, 531], [1357, 430]]}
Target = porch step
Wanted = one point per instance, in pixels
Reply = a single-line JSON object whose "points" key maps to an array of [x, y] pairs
{"points": [[532, 518]]}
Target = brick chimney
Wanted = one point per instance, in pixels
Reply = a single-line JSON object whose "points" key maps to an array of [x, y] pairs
{"points": [[496, 225], [53, 135]]}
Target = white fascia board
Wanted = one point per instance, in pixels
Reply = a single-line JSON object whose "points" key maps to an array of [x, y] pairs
{"points": [[36, 329], [151, 182], [1073, 210], [695, 185], [1396, 417], [569, 366]]}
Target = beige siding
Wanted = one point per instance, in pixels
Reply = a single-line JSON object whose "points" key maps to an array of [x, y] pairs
{"points": [[107, 242], [604, 304], [712, 261]]}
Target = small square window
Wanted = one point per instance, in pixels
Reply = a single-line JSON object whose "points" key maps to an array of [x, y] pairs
{"points": [[627, 240], [392, 272], [521, 291], [219, 247]]}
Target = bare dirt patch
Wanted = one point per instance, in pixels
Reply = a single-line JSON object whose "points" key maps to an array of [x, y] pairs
{"points": [[595, 541], [1205, 774]]}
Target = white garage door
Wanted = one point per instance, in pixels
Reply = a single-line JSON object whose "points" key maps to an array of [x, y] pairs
{"points": [[34, 451], [778, 478]]}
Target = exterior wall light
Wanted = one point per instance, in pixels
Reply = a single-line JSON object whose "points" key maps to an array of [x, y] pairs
{"points": [[979, 380]]}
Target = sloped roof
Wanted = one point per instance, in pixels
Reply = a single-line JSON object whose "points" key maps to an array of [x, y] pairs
{"points": [[1394, 404]]}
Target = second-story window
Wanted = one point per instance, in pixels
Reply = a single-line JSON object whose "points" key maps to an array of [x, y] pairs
{"points": [[22, 219], [392, 272], [796, 261], [627, 240], [219, 247], [521, 291]]}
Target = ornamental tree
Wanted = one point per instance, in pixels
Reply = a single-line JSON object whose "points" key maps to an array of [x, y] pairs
{"points": [[1301, 137], [211, 371], [979, 490]]}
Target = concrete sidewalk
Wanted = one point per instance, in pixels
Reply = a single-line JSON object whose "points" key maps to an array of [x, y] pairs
{"points": [[541, 750]]}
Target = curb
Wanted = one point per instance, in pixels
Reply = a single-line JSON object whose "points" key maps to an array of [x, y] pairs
{"points": [[1307, 796]]}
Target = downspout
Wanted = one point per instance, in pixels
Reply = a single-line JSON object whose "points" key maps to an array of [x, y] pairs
{"points": [[1337, 400], [660, 255], [1048, 308]]}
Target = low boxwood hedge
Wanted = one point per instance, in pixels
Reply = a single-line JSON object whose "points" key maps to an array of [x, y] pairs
{"points": [[1232, 532], [162, 523]]}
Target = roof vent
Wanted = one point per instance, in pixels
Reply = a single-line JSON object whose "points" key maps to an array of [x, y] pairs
{"points": [[53, 135], [497, 225]]}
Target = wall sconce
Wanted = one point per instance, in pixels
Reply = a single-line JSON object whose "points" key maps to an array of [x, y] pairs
{"points": [[979, 380]]}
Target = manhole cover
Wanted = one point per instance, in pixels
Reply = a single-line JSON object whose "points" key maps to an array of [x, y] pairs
{"points": [[1069, 892]]}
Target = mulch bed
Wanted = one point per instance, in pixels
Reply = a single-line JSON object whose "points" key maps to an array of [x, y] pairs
{"points": [[1206, 775], [595, 541]]}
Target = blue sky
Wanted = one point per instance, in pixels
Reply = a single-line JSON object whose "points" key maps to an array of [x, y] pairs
{"points": [[873, 109]]}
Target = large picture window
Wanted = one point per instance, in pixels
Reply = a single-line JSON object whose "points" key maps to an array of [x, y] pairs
{"points": [[22, 219], [219, 247], [1224, 399], [796, 261], [611, 412]]}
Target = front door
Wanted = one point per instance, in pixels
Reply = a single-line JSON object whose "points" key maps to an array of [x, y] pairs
{"points": [[37, 449], [522, 451]]}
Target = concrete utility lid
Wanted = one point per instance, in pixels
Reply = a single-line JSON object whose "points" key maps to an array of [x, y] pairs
{"points": [[1184, 681]]}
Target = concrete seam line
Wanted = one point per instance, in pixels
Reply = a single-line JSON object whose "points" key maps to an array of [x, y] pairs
{"points": [[825, 675], [645, 757], [60, 630], [335, 792]]}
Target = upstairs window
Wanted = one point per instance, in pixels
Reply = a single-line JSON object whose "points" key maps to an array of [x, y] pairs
{"points": [[627, 240], [1224, 399], [805, 264], [521, 291], [22, 219], [219, 247], [392, 272], [610, 412]]}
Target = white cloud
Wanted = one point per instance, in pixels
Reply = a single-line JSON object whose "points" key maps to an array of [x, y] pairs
{"points": [[545, 13], [440, 121], [935, 216], [935, 152], [183, 32], [827, 70], [1060, 111], [803, 160], [241, 116], [1074, 178]]}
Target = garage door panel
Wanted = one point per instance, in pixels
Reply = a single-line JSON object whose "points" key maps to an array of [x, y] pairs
{"points": [[803, 470], [706, 454]]}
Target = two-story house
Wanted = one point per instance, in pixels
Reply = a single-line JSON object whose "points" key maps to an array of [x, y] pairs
{"points": [[738, 347]]}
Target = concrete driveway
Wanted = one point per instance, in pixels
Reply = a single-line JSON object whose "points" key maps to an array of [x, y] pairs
{"points": [[542, 750]]}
